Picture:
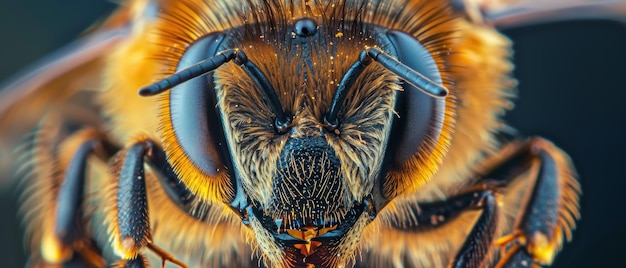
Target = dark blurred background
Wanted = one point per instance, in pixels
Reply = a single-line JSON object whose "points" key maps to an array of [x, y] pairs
{"points": [[572, 91]]}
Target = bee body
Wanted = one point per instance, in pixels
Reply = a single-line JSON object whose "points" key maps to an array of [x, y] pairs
{"points": [[294, 134]]}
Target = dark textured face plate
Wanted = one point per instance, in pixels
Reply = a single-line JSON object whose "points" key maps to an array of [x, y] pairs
{"points": [[308, 185]]}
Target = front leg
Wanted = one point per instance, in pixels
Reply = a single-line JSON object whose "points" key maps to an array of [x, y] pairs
{"points": [[546, 214], [129, 225], [549, 209]]}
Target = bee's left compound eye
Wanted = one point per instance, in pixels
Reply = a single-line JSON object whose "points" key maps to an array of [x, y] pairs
{"points": [[421, 116], [416, 132]]}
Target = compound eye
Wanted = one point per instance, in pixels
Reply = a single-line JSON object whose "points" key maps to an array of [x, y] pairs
{"points": [[419, 125], [193, 133]]}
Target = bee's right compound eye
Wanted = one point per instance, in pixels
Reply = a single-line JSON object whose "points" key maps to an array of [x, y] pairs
{"points": [[193, 132]]}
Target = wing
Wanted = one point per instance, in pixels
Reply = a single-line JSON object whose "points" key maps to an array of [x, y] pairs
{"points": [[514, 13], [62, 78]]}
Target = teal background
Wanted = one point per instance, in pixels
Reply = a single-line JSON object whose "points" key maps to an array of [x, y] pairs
{"points": [[572, 91]]}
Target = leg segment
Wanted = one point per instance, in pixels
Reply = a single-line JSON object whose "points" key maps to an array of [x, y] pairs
{"points": [[549, 209], [67, 232], [71, 194], [129, 224], [131, 227], [476, 246]]}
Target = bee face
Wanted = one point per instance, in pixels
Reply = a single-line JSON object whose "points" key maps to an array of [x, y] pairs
{"points": [[308, 179], [307, 175]]}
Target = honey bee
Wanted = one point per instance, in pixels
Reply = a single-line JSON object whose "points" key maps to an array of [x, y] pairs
{"points": [[289, 134]]}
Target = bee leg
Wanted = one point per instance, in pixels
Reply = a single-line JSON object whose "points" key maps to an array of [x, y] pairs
{"points": [[129, 220], [549, 207], [474, 249], [68, 234], [473, 252], [546, 213]]}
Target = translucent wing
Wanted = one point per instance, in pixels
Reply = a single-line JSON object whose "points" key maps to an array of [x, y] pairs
{"points": [[515, 13], [61, 78]]}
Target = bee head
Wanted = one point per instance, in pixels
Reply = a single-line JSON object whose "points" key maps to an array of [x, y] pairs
{"points": [[296, 131]]}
